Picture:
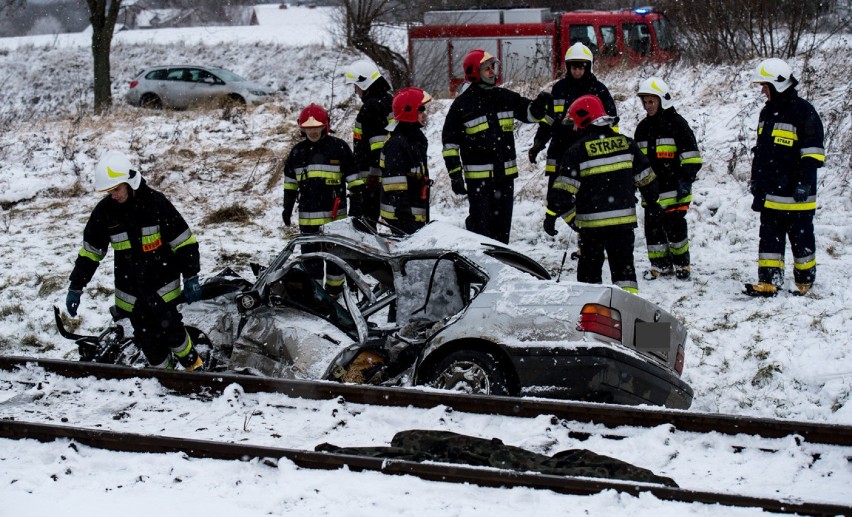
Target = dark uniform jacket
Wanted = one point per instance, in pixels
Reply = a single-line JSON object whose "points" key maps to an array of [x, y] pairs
{"points": [[479, 132], [668, 142], [153, 248], [405, 174], [598, 176], [369, 133], [788, 152], [557, 126], [316, 171]]}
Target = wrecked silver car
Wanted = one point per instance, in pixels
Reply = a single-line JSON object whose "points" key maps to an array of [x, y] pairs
{"points": [[445, 308]]}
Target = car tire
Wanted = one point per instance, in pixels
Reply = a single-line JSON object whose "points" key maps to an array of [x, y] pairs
{"points": [[470, 371], [233, 101], [150, 101]]}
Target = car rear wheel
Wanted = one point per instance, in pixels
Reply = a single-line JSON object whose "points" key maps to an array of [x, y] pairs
{"points": [[233, 101], [150, 101], [470, 371]]}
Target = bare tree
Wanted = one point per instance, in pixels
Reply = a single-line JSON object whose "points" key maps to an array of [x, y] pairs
{"points": [[103, 14], [359, 22], [731, 30]]}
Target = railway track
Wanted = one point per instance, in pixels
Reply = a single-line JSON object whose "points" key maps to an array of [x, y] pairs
{"points": [[609, 416]]}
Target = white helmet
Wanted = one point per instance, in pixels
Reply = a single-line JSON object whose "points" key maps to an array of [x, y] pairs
{"points": [[579, 52], [775, 72], [362, 73], [658, 87], [113, 169]]}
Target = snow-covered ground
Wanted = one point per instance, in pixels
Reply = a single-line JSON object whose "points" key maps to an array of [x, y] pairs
{"points": [[786, 357]]}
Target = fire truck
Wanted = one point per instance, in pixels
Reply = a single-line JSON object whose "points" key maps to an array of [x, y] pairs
{"points": [[531, 43]]}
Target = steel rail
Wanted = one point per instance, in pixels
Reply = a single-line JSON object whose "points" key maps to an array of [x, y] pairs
{"points": [[453, 473], [609, 415]]}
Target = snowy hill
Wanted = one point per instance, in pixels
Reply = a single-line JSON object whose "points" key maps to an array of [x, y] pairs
{"points": [[785, 357]]}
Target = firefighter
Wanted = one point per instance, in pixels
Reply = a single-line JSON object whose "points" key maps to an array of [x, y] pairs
{"points": [[668, 142], [788, 152], [405, 173], [154, 248], [594, 191], [479, 144], [368, 137], [314, 173], [557, 128]]}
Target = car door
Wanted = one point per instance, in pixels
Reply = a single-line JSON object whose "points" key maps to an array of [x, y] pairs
{"points": [[204, 87], [175, 86]]}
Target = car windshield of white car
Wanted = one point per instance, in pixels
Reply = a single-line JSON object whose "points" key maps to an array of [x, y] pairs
{"points": [[227, 76]]}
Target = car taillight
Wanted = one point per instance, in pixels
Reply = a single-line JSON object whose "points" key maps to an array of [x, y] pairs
{"points": [[679, 360], [600, 320], [133, 84]]}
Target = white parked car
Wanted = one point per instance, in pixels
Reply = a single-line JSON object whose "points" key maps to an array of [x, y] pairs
{"points": [[184, 86]]}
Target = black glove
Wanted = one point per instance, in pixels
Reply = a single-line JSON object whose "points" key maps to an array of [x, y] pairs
{"points": [[289, 202], [684, 188], [539, 105], [534, 150], [72, 301], [457, 183], [801, 192], [757, 203], [191, 289], [550, 224]]}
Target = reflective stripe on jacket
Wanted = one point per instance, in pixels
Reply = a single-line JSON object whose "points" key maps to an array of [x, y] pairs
{"points": [[788, 152], [317, 172], [478, 135], [152, 243], [597, 178], [405, 173], [556, 126]]}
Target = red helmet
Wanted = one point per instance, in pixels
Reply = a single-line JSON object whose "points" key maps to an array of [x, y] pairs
{"points": [[313, 116], [473, 61], [407, 102], [585, 110]]}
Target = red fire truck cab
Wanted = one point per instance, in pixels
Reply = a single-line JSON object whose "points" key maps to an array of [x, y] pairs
{"points": [[531, 43]]}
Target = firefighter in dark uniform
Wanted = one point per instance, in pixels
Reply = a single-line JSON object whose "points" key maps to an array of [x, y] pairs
{"points": [[154, 248], [405, 172], [315, 173], [668, 142], [368, 137], [595, 186], [788, 152], [479, 144], [557, 127]]}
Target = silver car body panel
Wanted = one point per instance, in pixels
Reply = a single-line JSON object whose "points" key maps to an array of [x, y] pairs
{"points": [[184, 86], [467, 290]]}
